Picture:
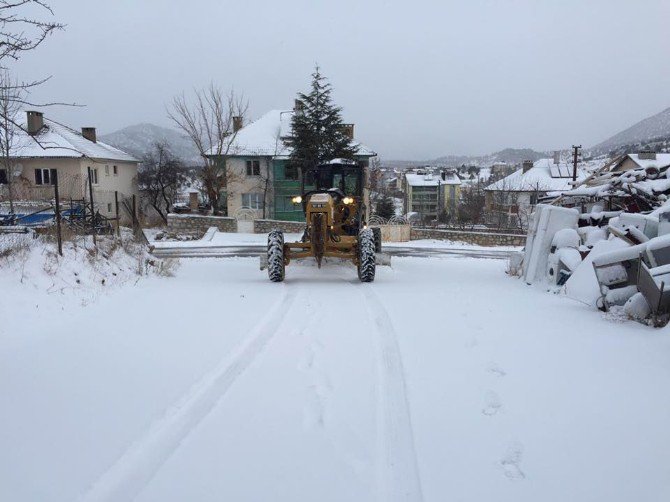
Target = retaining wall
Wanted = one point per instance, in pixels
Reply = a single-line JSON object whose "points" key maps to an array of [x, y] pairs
{"points": [[196, 224], [394, 233], [264, 226], [478, 238]]}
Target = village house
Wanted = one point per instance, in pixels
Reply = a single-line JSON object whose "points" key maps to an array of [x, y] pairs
{"points": [[47, 151], [511, 199], [260, 178], [430, 192], [642, 160]]}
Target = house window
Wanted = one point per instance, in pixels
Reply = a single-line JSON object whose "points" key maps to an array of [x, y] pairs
{"points": [[253, 167], [45, 176], [285, 204], [106, 170], [109, 207], [252, 200], [3, 176], [94, 175], [115, 170], [291, 172]]}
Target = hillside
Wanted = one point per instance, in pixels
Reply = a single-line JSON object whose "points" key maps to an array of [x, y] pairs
{"points": [[139, 139], [654, 129], [508, 156]]}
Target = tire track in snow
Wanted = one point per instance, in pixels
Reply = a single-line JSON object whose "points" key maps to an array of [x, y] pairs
{"points": [[126, 478], [397, 468]]}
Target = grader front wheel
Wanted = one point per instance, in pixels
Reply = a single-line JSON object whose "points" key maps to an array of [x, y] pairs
{"points": [[366, 255], [276, 266]]}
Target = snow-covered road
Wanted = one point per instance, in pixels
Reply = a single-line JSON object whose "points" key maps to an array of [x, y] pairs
{"points": [[442, 380]]}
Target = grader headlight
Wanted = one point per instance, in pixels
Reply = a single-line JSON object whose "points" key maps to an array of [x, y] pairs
{"points": [[348, 200], [297, 199]]}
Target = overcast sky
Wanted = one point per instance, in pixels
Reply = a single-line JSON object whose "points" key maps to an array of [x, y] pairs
{"points": [[420, 79]]}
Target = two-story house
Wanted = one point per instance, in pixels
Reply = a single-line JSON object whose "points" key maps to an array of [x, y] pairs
{"points": [[259, 176], [46, 150]]}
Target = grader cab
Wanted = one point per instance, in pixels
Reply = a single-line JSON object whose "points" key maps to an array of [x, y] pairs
{"points": [[334, 202]]}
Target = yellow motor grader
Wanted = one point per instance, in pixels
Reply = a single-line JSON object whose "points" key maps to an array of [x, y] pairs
{"points": [[333, 200]]}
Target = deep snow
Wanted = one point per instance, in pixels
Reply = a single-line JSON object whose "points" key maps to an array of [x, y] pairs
{"points": [[443, 380]]}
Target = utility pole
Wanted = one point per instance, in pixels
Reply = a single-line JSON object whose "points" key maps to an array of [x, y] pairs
{"points": [[575, 154]]}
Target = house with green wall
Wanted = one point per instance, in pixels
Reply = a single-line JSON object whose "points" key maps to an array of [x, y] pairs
{"points": [[260, 180]]}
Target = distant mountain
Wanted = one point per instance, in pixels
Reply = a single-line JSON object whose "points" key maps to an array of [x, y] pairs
{"points": [[140, 138], [654, 129], [508, 155]]}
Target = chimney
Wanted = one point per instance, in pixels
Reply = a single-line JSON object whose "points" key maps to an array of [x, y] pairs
{"points": [[348, 130], [35, 122], [646, 155], [526, 165], [238, 123], [89, 133], [298, 106], [557, 157]]}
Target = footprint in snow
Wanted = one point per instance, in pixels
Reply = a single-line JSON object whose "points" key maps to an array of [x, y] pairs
{"points": [[496, 370], [511, 462], [313, 412], [492, 404], [308, 361]]}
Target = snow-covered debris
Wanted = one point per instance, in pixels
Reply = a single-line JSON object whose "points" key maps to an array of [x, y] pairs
{"points": [[643, 188]]}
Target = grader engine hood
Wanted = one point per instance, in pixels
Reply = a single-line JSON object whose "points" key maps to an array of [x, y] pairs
{"points": [[321, 203]]}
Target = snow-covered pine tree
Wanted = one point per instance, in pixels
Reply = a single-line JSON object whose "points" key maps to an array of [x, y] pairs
{"points": [[318, 132], [385, 207]]}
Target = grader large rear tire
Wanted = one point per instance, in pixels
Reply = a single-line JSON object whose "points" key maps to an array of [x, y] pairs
{"points": [[276, 267], [366, 255], [377, 232]]}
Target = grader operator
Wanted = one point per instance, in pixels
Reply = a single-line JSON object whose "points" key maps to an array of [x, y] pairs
{"points": [[333, 199]]}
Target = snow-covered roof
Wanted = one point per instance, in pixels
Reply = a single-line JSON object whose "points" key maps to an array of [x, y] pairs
{"points": [[661, 160], [57, 140], [265, 137], [544, 176], [433, 179]]}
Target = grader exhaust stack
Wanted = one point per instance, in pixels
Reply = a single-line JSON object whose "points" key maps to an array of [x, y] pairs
{"points": [[334, 202]]}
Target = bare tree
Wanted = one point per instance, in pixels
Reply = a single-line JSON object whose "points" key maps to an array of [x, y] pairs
{"points": [[10, 96], [160, 177], [472, 204], [208, 120], [510, 207], [21, 32]]}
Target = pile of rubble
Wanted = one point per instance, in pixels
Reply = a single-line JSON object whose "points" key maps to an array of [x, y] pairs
{"points": [[632, 183], [612, 260]]}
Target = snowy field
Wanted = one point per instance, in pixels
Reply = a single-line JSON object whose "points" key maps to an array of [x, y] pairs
{"points": [[443, 380]]}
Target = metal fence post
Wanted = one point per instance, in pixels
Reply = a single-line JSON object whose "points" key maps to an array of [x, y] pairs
{"points": [[90, 192], [118, 219], [58, 225]]}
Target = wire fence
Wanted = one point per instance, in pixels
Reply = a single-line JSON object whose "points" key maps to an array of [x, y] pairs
{"points": [[71, 201]]}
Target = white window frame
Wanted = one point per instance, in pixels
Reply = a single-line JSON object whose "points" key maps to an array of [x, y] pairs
{"points": [[106, 170], [254, 200], [94, 176]]}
